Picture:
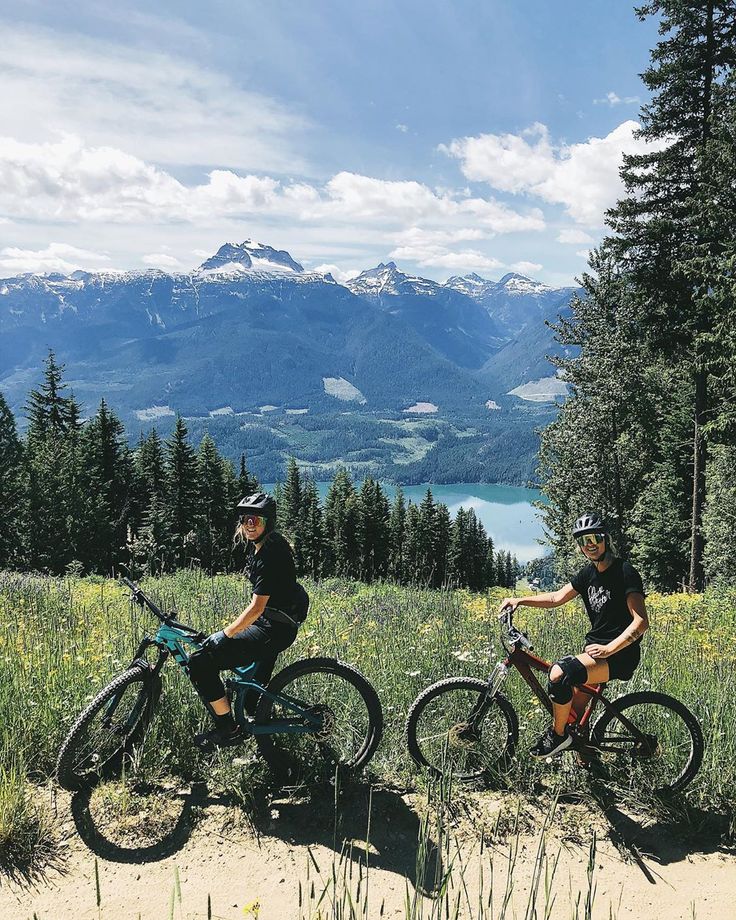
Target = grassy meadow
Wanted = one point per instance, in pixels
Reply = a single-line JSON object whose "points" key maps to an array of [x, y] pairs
{"points": [[62, 639]]}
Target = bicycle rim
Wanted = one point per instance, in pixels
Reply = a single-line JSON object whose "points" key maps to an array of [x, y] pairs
{"points": [[662, 757], [348, 720], [455, 730]]}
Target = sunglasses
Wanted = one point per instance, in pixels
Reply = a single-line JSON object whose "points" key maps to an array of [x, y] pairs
{"points": [[590, 539], [253, 520]]}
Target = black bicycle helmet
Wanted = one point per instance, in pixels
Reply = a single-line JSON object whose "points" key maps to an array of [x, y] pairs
{"points": [[589, 522], [259, 503]]}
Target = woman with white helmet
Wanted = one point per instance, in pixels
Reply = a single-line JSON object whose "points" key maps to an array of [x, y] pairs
{"points": [[613, 595]]}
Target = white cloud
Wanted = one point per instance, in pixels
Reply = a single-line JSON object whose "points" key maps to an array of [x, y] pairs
{"points": [[162, 260], [526, 268], [574, 235], [437, 256], [583, 253], [614, 99], [582, 177], [402, 128], [57, 257], [68, 180], [340, 275], [164, 109]]}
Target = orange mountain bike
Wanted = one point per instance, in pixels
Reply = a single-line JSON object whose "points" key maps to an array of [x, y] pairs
{"points": [[465, 727]]}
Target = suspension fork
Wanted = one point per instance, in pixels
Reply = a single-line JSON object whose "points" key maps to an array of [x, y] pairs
{"points": [[485, 701]]}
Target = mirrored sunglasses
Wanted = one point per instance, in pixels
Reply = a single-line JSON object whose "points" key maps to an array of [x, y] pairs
{"points": [[590, 539], [253, 520]]}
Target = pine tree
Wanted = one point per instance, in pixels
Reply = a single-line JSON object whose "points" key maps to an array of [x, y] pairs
{"points": [[105, 479], [341, 523], [413, 550], [373, 530], [213, 513], [290, 501], [55, 507], [309, 543], [12, 490], [396, 529], [181, 492], [49, 412], [247, 482]]}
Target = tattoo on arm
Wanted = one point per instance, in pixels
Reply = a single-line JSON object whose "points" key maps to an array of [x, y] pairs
{"points": [[634, 634]]}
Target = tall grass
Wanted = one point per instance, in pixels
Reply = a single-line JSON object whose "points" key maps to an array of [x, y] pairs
{"points": [[63, 639]]}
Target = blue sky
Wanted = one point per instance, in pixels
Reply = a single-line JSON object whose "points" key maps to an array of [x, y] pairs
{"points": [[451, 137]]}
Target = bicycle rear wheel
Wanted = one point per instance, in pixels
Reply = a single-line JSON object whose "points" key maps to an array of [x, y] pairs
{"points": [[107, 730], [455, 729], [664, 753], [349, 721]]}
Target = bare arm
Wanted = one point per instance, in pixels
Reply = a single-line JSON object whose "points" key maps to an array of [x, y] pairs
{"points": [[639, 625], [248, 616], [549, 599]]}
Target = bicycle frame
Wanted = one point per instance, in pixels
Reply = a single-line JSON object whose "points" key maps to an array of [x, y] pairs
{"points": [[170, 640], [526, 664]]}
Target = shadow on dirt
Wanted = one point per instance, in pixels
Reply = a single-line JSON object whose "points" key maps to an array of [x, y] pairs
{"points": [[372, 825], [169, 835]]}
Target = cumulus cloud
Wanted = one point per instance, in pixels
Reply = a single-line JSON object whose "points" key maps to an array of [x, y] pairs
{"points": [[574, 235], [166, 109], [431, 249], [614, 99], [162, 260], [69, 180], [526, 268], [582, 177], [340, 275], [402, 128], [57, 257]]}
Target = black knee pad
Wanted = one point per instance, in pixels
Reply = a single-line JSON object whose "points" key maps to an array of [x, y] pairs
{"points": [[574, 673]]}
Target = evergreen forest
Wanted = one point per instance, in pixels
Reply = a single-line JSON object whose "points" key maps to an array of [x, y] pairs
{"points": [[76, 498]]}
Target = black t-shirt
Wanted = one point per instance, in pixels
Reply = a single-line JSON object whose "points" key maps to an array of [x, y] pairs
{"points": [[272, 572], [604, 595]]}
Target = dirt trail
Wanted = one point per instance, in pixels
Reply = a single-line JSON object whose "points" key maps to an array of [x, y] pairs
{"points": [[254, 870]]}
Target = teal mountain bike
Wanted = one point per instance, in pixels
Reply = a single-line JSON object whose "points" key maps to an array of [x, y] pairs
{"points": [[316, 712]]}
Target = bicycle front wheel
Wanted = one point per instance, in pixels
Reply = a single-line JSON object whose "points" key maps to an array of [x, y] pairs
{"points": [[649, 742], [338, 707], [456, 729], [107, 730]]}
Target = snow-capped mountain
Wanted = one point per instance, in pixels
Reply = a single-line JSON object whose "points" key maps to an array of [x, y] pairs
{"points": [[387, 280], [515, 300], [454, 324], [250, 256]]}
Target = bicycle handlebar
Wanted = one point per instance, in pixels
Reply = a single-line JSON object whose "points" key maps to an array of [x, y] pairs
{"points": [[513, 634], [144, 601]]}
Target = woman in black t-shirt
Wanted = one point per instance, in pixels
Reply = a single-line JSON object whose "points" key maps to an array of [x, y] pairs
{"points": [[267, 626], [613, 595]]}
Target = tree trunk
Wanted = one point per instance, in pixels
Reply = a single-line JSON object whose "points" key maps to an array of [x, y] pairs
{"points": [[696, 533]]}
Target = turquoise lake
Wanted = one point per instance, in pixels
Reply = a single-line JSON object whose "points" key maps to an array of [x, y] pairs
{"points": [[506, 511]]}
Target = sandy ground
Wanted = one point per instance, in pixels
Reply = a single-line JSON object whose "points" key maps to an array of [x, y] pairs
{"points": [[199, 847]]}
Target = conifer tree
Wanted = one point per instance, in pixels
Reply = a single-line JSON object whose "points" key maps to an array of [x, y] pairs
{"points": [[373, 516], [290, 501], [213, 512], [309, 541], [181, 492], [396, 529], [247, 482], [341, 523], [12, 490]]}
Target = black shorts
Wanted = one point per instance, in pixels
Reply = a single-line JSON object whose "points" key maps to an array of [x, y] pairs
{"points": [[622, 665]]}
